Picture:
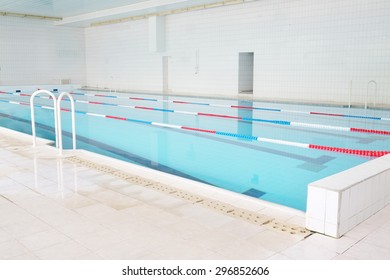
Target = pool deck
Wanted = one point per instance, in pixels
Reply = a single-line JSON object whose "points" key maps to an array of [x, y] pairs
{"points": [[55, 207]]}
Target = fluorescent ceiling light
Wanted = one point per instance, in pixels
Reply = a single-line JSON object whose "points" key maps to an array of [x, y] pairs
{"points": [[28, 16]]}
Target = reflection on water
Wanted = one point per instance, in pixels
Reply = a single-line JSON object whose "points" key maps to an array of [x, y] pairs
{"points": [[245, 127]]}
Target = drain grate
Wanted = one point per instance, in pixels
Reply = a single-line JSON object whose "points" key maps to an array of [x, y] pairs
{"points": [[105, 169], [90, 164], [250, 216], [221, 207], [217, 205], [122, 175], [74, 159], [188, 196], [162, 188], [139, 181], [290, 229]]}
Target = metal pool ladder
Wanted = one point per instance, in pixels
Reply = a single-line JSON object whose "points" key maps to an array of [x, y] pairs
{"points": [[59, 121], [57, 117], [33, 114]]}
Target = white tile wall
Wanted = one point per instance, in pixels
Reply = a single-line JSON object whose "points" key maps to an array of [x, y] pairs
{"points": [[118, 56], [344, 205], [331, 229], [317, 205], [36, 52], [305, 50], [315, 218], [314, 224], [348, 204], [332, 208]]}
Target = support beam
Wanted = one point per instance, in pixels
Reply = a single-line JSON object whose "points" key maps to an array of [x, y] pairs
{"points": [[118, 11]]}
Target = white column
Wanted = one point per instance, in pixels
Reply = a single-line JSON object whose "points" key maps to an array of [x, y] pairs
{"points": [[157, 34]]}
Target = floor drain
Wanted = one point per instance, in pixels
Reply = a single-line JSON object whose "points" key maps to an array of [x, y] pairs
{"points": [[105, 169], [122, 175], [218, 206], [139, 181], [74, 159], [162, 188], [188, 196], [286, 228]]}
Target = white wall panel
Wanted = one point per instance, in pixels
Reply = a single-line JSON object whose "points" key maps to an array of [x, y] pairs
{"points": [[35, 52], [118, 56], [304, 50]]}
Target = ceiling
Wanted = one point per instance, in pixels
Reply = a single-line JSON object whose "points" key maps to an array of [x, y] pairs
{"points": [[85, 12], [61, 8]]}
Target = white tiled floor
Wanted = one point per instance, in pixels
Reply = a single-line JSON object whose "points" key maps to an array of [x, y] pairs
{"points": [[91, 215]]}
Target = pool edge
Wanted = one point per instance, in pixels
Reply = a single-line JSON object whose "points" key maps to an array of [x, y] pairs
{"points": [[277, 212]]}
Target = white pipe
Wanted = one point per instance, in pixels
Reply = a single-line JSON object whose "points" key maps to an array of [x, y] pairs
{"points": [[59, 120], [33, 114], [197, 61], [350, 95]]}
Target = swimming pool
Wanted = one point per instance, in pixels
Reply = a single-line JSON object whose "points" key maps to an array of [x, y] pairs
{"points": [[254, 148]]}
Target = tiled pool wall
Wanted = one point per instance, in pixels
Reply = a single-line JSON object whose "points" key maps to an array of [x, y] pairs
{"points": [[338, 203]]}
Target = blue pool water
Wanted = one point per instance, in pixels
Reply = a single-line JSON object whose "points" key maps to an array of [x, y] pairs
{"points": [[268, 171]]}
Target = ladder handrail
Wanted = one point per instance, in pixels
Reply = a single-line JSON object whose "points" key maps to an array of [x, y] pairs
{"points": [[33, 114], [59, 120]]}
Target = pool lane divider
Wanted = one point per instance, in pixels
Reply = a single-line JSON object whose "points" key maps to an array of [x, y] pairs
{"points": [[369, 153], [275, 122], [236, 106], [222, 105]]}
